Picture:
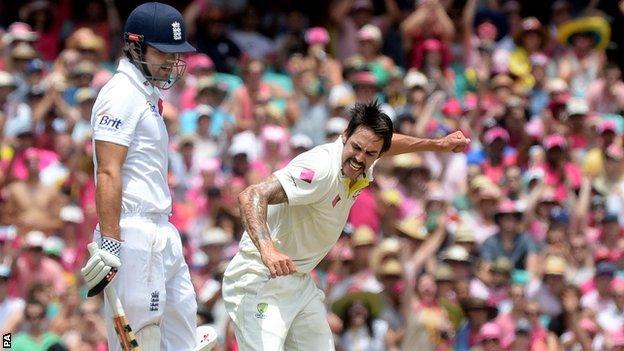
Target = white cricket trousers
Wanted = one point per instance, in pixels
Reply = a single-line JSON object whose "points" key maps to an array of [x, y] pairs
{"points": [[153, 282], [274, 314]]}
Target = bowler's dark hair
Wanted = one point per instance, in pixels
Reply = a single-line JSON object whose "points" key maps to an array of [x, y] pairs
{"points": [[372, 117]]}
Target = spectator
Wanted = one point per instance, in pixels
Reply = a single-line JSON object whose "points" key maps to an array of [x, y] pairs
{"points": [[35, 338]]}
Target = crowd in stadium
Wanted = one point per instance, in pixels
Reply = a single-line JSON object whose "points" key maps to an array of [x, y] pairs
{"points": [[515, 244]]}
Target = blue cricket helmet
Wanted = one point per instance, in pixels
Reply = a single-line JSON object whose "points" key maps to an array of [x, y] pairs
{"points": [[159, 26]]}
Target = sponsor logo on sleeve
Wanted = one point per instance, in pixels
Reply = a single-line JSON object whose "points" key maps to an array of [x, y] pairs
{"points": [[307, 175], [109, 122]]}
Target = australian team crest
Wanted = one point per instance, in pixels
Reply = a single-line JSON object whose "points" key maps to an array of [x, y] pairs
{"points": [[262, 308]]}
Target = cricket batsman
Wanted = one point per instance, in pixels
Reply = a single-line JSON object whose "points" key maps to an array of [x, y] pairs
{"points": [[138, 247], [291, 221]]}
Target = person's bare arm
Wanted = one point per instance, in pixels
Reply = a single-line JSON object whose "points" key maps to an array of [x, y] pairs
{"points": [[446, 24], [402, 144], [410, 26], [110, 158], [339, 10], [254, 202]]}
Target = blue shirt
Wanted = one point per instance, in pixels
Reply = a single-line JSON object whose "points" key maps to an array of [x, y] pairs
{"points": [[523, 245], [188, 122]]}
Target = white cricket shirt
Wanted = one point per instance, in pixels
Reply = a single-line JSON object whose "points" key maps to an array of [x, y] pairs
{"points": [[127, 112], [319, 201]]}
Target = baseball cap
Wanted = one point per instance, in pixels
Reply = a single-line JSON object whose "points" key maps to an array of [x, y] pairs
{"points": [[20, 31], [35, 238], [71, 214], [161, 26], [456, 253], [336, 125], [5, 271], [301, 141], [607, 126], [6, 79], [204, 110], [364, 78], [199, 61], [53, 246], [215, 236], [555, 140], [370, 32], [415, 79], [577, 106], [317, 35], [489, 330], [496, 133], [523, 326]]}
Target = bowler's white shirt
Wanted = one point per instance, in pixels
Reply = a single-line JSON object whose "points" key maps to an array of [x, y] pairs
{"points": [[319, 200], [126, 112]]}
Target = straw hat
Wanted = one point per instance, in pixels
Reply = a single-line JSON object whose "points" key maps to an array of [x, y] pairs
{"points": [[412, 228], [597, 27]]}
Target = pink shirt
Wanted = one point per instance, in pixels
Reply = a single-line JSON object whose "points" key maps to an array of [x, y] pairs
{"points": [[603, 101], [364, 211], [49, 272]]}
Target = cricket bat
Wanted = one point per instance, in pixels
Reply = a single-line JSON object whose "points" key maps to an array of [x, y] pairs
{"points": [[120, 322]]}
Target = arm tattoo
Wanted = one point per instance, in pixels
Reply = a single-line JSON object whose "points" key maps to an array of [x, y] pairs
{"points": [[253, 206]]}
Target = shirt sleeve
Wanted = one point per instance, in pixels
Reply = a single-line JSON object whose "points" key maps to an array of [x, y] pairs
{"points": [[306, 179], [115, 117]]}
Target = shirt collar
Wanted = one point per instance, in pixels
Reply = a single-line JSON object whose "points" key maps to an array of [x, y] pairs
{"points": [[130, 70]]}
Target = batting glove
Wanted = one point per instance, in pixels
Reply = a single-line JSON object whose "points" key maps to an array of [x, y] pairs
{"points": [[102, 266]]}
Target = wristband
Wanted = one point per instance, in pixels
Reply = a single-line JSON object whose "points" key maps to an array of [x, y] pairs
{"points": [[111, 245]]}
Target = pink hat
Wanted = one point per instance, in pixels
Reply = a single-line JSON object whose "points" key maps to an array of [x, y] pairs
{"points": [[317, 35], [617, 338], [199, 61], [588, 325], [209, 165], [555, 140], [489, 330], [364, 78], [496, 133], [607, 126], [432, 45], [452, 108], [617, 284], [21, 31], [274, 134]]}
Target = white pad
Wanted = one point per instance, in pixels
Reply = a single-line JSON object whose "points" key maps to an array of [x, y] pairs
{"points": [[206, 338], [148, 337]]}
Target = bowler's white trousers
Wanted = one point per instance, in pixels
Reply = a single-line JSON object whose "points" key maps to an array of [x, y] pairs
{"points": [[153, 282], [274, 314]]}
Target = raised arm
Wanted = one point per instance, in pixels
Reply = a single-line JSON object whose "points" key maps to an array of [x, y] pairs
{"points": [[254, 202], [402, 144]]}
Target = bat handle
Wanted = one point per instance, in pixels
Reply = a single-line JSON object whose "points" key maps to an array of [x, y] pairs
{"points": [[109, 291]]}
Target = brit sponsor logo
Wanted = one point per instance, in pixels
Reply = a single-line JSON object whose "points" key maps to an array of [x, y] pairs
{"points": [[109, 122]]}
